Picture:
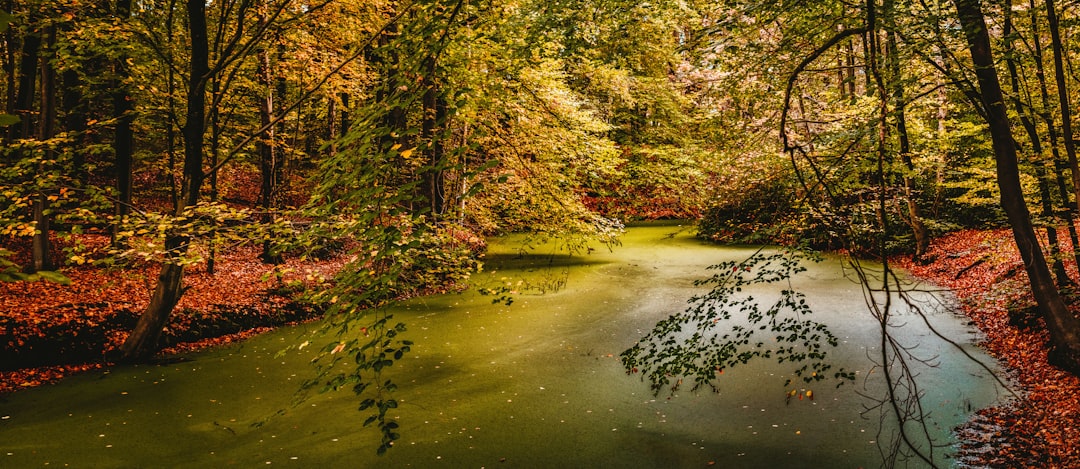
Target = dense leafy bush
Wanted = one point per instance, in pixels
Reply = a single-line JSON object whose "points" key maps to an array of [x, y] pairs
{"points": [[757, 214]]}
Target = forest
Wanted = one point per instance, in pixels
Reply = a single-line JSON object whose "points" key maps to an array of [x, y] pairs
{"points": [[176, 174]]}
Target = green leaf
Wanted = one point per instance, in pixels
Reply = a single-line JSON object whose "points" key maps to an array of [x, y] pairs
{"points": [[14, 276], [5, 20], [8, 119], [55, 277]]}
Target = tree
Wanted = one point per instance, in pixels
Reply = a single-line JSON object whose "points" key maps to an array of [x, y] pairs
{"points": [[1030, 128], [897, 83], [1063, 326], [270, 159], [1063, 94], [237, 34], [143, 340], [123, 136]]}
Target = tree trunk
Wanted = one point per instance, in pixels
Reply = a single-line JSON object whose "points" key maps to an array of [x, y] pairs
{"points": [[1064, 328], [915, 221], [24, 98], [1059, 164], [849, 70], [433, 189], [39, 251], [941, 116], [215, 146], [346, 121], [1063, 94], [75, 123], [268, 159], [124, 138], [395, 118], [10, 46], [331, 124], [143, 341], [170, 129], [1037, 152]]}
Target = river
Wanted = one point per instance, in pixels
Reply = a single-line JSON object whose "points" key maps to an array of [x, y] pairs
{"points": [[537, 383]]}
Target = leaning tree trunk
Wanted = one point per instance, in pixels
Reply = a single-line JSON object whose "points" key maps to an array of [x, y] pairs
{"points": [[1064, 328], [143, 341], [1028, 123]]}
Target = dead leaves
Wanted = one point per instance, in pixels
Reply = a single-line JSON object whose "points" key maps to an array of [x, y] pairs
{"points": [[79, 323], [1042, 430]]}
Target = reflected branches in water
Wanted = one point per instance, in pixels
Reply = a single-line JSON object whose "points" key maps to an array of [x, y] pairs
{"points": [[885, 293]]}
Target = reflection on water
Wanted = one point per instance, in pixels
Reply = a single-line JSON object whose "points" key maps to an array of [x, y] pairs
{"points": [[537, 383]]}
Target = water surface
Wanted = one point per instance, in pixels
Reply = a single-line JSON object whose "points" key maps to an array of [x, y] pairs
{"points": [[537, 383]]}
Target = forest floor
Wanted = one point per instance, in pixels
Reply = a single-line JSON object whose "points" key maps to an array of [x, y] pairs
{"points": [[48, 331], [40, 321], [1041, 429]]}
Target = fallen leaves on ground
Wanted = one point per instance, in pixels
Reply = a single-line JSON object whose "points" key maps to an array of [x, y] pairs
{"points": [[983, 268], [89, 316], [1042, 428]]}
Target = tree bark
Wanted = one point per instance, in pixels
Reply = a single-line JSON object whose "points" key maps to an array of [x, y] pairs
{"points": [[24, 98], [268, 151], [1064, 328], [123, 137], [1027, 122], [143, 341], [1063, 94], [10, 46], [1051, 128], [433, 181], [331, 124], [215, 147], [346, 120], [75, 122], [39, 251], [918, 228]]}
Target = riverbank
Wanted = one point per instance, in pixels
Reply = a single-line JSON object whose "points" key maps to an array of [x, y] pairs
{"points": [[982, 267], [48, 331], [1042, 428], [522, 383]]}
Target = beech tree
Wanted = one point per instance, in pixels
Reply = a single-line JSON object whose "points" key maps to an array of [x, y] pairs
{"points": [[142, 341], [1063, 326], [233, 46]]}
